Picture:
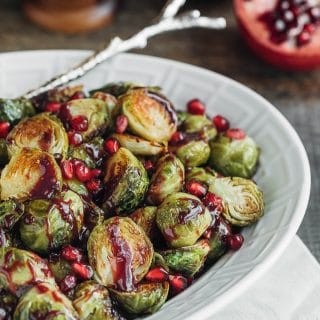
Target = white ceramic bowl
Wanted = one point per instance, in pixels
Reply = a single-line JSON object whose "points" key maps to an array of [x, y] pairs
{"points": [[284, 173]]}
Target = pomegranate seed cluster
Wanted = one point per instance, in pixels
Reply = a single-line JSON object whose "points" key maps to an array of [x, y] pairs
{"points": [[130, 200]]}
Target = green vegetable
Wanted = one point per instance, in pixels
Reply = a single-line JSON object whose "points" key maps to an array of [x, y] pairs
{"points": [[203, 175], [195, 123], [59, 267], [77, 187], [115, 88], [5, 238], [10, 213], [146, 218]]}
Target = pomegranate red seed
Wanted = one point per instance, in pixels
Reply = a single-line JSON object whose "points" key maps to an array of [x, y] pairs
{"points": [[111, 145], [303, 38], [177, 137], [79, 123], [208, 233], [82, 270], [77, 95], [4, 129], [75, 138], [67, 283], [236, 134], [67, 169], [235, 241], [121, 124], [310, 28], [93, 185], [196, 188], [195, 106], [178, 283], [83, 173], [95, 173], [221, 123], [212, 201], [53, 107], [70, 253], [157, 274], [148, 165]]}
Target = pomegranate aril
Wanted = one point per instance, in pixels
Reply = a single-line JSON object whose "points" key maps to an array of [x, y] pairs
{"points": [[83, 271], [79, 123], [235, 241], [53, 107], [121, 124], [196, 107], [178, 283], [111, 146], [177, 137], [83, 173], [67, 169], [208, 233], [70, 253], [67, 283], [236, 134], [78, 95], [95, 173], [93, 185], [212, 201], [314, 14], [196, 188], [310, 28], [157, 275], [148, 165], [75, 138], [221, 123], [4, 129], [303, 38]]}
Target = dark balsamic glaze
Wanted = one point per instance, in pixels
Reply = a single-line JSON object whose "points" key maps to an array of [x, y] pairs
{"points": [[195, 209]]}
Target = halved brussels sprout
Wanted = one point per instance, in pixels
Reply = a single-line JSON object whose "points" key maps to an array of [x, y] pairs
{"points": [[110, 100], [92, 302], [30, 174], [150, 115], [234, 157], [59, 267], [10, 213], [120, 253], [139, 146], [146, 218], [182, 219], [195, 123], [13, 110], [203, 175], [158, 261], [167, 179], [187, 260], [44, 301], [43, 131], [126, 182], [4, 157], [242, 199], [21, 268], [146, 298], [50, 224], [96, 112]]}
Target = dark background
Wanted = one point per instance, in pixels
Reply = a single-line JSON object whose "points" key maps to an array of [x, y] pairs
{"points": [[296, 95]]}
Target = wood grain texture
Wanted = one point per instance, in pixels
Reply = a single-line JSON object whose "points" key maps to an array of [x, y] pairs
{"points": [[296, 95]]}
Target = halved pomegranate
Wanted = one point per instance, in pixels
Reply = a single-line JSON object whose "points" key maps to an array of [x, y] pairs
{"points": [[285, 33]]}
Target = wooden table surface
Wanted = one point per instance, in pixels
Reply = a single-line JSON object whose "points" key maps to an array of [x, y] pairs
{"points": [[296, 95]]}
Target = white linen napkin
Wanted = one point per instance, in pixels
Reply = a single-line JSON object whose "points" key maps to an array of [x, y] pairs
{"points": [[290, 290]]}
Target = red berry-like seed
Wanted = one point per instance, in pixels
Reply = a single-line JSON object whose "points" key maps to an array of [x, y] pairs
{"points": [[208, 233], [95, 173], [236, 134], [70, 253], [77, 95], [178, 283], [221, 123], [53, 107], [121, 124], [177, 137], [79, 123], [82, 270], [303, 38], [67, 283], [212, 201], [75, 138], [195, 106], [111, 146], [196, 188], [93, 185], [235, 241], [4, 129], [67, 169], [148, 165], [83, 173], [157, 274]]}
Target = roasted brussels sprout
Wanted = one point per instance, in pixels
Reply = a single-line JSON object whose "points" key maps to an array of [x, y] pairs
{"points": [[139, 146], [146, 218], [242, 199], [187, 260], [43, 131], [110, 100], [21, 268], [203, 175], [49, 224], [126, 182], [195, 123], [94, 110], [44, 301], [10, 213], [182, 219], [150, 115], [120, 253], [76, 186], [59, 267], [13, 110], [167, 179], [30, 174], [4, 157], [233, 157], [158, 261], [93, 215], [146, 298], [92, 302]]}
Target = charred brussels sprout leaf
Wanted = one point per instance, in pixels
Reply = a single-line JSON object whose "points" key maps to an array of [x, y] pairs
{"points": [[158, 261], [4, 157], [10, 213], [146, 298], [13, 110], [30, 174], [120, 253], [150, 115], [234, 157], [167, 179], [49, 224], [187, 260], [146, 219], [43, 131], [242, 200], [115, 88], [93, 215], [203, 175], [77, 187], [182, 219], [44, 301], [92, 302], [21, 268], [126, 182]]}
